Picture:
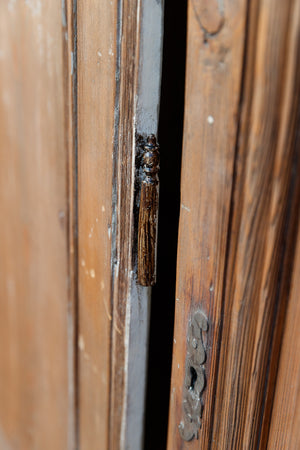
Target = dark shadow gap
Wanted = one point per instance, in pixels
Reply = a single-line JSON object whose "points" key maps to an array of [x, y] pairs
{"points": [[170, 133]]}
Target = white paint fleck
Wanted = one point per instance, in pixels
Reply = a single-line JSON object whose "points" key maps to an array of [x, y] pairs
{"points": [[107, 310], [99, 53], [109, 232], [178, 366], [11, 5], [210, 120], [61, 215], [97, 220], [92, 273], [35, 7], [174, 341], [110, 52], [81, 344], [211, 288], [185, 207], [177, 300], [103, 208], [83, 262], [91, 231]]}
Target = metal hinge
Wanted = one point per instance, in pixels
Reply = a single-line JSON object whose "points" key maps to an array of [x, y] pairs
{"points": [[194, 381]]}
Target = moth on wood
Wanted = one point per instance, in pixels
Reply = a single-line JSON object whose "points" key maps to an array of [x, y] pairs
{"points": [[148, 214]]}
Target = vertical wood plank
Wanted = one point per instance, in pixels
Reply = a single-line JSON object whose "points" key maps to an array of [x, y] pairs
{"points": [[213, 81], [123, 218], [291, 225], [35, 405], [115, 101], [285, 419], [96, 72], [263, 177], [140, 55]]}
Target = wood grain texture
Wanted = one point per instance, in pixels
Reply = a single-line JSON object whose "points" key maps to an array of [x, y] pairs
{"points": [[240, 301], [123, 214], [260, 200], [139, 67], [285, 421], [291, 225], [113, 309], [35, 406], [96, 71], [213, 83]]}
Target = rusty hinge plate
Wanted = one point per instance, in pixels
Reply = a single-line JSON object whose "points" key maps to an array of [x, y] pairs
{"points": [[194, 381]]}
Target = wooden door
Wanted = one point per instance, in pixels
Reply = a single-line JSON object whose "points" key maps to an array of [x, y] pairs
{"points": [[79, 81], [36, 368], [80, 94], [239, 206]]}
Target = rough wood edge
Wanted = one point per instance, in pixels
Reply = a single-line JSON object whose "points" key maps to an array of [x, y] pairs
{"points": [[69, 22], [137, 103]]}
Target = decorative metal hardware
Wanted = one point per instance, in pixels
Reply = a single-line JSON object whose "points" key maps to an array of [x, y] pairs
{"points": [[148, 214], [194, 382]]}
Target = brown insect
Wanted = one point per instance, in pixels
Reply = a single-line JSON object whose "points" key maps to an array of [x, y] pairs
{"points": [[148, 214]]}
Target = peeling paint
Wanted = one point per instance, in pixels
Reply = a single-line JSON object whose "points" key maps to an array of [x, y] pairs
{"points": [[81, 343]]}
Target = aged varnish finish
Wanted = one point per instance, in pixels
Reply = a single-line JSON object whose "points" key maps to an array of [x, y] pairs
{"points": [[237, 179], [212, 93]]}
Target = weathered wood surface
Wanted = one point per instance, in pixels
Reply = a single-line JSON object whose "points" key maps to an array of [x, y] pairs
{"points": [[137, 101], [213, 83], [36, 406], [260, 200], [285, 420], [292, 122], [116, 99], [96, 69], [229, 265]]}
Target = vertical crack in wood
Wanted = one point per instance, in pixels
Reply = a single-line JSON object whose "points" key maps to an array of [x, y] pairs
{"points": [[194, 382]]}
